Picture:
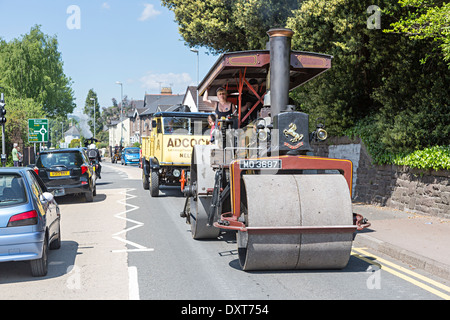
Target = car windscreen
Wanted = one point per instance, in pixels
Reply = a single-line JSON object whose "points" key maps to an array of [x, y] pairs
{"points": [[132, 151], [185, 126], [72, 159], [12, 190]]}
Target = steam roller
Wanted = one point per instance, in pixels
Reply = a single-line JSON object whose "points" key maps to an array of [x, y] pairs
{"points": [[289, 219], [260, 178]]}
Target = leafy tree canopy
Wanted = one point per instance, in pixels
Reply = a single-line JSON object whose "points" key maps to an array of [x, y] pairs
{"points": [[380, 86], [31, 68], [377, 78], [426, 19], [90, 103], [229, 25]]}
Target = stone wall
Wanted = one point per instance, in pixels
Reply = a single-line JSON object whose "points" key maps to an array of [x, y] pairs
{"points": [[398, 187]]}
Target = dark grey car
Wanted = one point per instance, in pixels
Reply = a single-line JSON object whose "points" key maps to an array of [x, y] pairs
{"points": [[67, 171]]}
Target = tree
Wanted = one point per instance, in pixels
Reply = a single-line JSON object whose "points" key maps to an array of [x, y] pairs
{"points": [[426, 19], [18, 113], [31, 67], [93, 113], [58, 126], [377, 84], [75, 143], [229, 25], [377, 80], [338, 27]]}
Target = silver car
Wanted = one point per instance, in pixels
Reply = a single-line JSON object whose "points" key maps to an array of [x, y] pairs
{"points": [[29, 219]]}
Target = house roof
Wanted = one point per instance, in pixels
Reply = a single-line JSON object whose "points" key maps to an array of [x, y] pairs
{"points": [[136, 111], [202, 106], [113, 123], [158, 102], [137, 104], [73, 131]]}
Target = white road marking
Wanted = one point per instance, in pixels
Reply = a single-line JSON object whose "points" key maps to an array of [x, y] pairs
{"points": [[133, 285], [121, 215]]}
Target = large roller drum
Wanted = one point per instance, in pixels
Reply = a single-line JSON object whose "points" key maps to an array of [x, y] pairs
{"points": [[276, 204]]}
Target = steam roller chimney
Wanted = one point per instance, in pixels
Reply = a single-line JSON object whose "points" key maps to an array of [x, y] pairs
{"points": [[280, 54]]}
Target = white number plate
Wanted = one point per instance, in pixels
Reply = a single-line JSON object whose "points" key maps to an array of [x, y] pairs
{"points": [[260, 164]]}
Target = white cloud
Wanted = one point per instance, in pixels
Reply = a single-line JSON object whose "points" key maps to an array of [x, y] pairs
{"points": [[149, 12], [105, 5], [179, 82]]}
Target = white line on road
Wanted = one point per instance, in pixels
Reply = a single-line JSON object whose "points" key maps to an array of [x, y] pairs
{"points": [[137, 246], [133, 285]]}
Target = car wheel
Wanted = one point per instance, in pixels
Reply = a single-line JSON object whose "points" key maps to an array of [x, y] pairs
{"points": [[39, 267], [89, 196], [56, 244]]}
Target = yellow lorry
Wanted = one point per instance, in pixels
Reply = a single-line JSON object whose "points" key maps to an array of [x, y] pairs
{"points": [[166, 153]]}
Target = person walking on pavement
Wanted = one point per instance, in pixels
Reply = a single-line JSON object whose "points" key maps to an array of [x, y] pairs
{"points": [[20, 156], [15, 155]]}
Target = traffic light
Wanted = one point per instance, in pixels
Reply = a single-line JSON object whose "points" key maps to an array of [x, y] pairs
{"points": [[2, 112], [2, 115]]}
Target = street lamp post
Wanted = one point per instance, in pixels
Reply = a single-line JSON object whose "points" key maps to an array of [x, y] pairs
{"points": [[198, 63], [62, 136], [121, 107], [92, 99]]}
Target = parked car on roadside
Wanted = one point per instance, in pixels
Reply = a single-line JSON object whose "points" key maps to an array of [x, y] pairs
{"points": [[67, 171], [29, 219], [130, 156]]}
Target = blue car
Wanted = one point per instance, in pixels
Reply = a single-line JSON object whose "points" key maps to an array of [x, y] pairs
{"points": [[130, 156], [29, 219]]}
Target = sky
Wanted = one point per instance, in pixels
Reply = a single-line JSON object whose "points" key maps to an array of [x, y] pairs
{"points": [[133, 42]]}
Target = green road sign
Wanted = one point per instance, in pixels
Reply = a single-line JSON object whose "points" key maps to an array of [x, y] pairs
{"points": [[37, 130]]}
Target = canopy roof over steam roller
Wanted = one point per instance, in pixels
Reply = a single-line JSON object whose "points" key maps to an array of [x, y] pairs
{"points": [[255, 65]]}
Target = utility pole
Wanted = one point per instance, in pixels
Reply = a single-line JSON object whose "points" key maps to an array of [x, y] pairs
{"points": [[121, 111], [3, 121]]}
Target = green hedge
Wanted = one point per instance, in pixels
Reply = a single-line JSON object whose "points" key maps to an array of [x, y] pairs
{"points": [[434, 157]]}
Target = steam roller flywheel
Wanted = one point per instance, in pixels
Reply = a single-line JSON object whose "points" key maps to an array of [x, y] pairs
{"points": [[277, 202]]}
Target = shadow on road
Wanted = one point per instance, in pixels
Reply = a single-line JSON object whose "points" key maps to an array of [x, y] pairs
{"points": [[60, 261], [71, 199]]}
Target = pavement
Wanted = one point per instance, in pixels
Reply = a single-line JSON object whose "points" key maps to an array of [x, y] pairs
{"points": [[418, 240]]}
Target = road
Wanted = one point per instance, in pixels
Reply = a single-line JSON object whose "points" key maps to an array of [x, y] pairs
{"points": [[127, 245]]}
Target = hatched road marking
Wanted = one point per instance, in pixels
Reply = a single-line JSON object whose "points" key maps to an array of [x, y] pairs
{"points": [[121, 215]]}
